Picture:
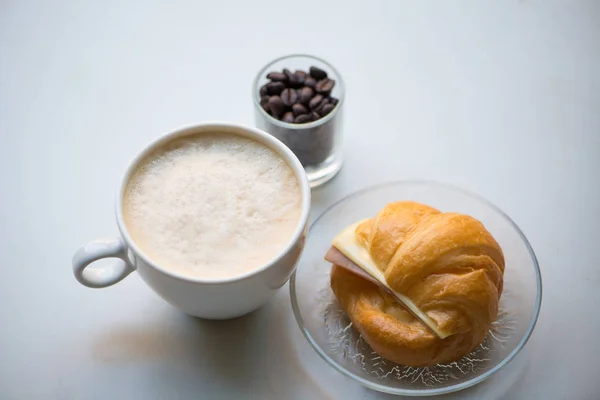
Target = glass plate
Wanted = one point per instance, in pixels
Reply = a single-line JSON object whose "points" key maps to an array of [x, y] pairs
{"points": [[331, 334]]}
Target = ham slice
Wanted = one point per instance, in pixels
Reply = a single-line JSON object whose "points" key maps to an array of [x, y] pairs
{"points": [[336, 257]]}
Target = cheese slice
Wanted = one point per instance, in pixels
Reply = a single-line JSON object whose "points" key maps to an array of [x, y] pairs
{"points": [[347, 244]]}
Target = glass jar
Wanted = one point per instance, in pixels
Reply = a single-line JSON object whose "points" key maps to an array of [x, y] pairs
{"points": [[317, 144]]}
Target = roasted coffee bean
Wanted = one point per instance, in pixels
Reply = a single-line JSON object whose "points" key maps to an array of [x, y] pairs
{"points": [[302, 118], [324, 86], [327, 108], [263, 90], [300, 76], [322, 104], [292, 79], [276, 106], [304, 95], [314, 116], [264, 102], [333, 100], [315, 101], [275, 88], [299, 109], [288, 117], [289, 97], [317, 73], [277, 77], [310, 82]]}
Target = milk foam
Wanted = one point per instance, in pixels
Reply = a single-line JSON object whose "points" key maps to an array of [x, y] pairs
{"points": [[212, 205]]}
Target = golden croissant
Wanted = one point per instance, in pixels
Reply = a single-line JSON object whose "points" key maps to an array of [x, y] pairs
{"points": [[448, 264]]}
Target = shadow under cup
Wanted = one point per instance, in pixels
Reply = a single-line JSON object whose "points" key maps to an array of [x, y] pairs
{"points": [[206, 298]]}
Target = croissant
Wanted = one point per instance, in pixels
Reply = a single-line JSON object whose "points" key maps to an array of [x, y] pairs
{"points": [[448, 264]]}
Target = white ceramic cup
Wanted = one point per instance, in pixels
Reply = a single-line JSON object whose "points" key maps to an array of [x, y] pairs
{"points": [[215, 299]]}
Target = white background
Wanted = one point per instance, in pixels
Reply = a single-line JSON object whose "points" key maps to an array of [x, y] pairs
{"points": [[501, 98]]}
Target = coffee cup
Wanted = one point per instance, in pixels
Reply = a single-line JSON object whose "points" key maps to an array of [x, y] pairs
{"points": [[219, 297]]}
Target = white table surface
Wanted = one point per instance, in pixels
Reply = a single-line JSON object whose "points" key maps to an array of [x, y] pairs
{"points": [[502, 98]]}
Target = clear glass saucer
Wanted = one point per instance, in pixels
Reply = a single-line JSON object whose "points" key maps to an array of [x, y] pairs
{"points": [[326, 327]]}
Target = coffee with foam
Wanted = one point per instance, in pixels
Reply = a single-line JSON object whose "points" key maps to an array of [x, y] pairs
{"points": [[212, 206]]}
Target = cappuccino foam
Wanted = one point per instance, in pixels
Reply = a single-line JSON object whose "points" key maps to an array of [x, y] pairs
{"points": [[212, 205]]}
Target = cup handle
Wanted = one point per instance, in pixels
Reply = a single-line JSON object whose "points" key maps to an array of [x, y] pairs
{"points": [[97, 250]]}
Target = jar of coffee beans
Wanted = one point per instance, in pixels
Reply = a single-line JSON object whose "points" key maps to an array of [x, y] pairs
{"points": [[299, 100]]}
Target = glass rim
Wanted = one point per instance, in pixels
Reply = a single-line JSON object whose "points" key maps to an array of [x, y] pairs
{"points": [[425, 392], [287, 125]]}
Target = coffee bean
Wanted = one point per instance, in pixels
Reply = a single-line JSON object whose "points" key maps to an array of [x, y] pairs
{"points": [[277, 77], [288, 117], [300, 76], [299, 109], [333, 100], [305, 95], [315, 101], [327, 108], [324, 86], [310, 82], [314, 116], [263, 90], [264, 102], [317, 73], [292, 79], [302, 118], [322, 104], [276, 106], [275, 88], [289, 97], [290, 76]]}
